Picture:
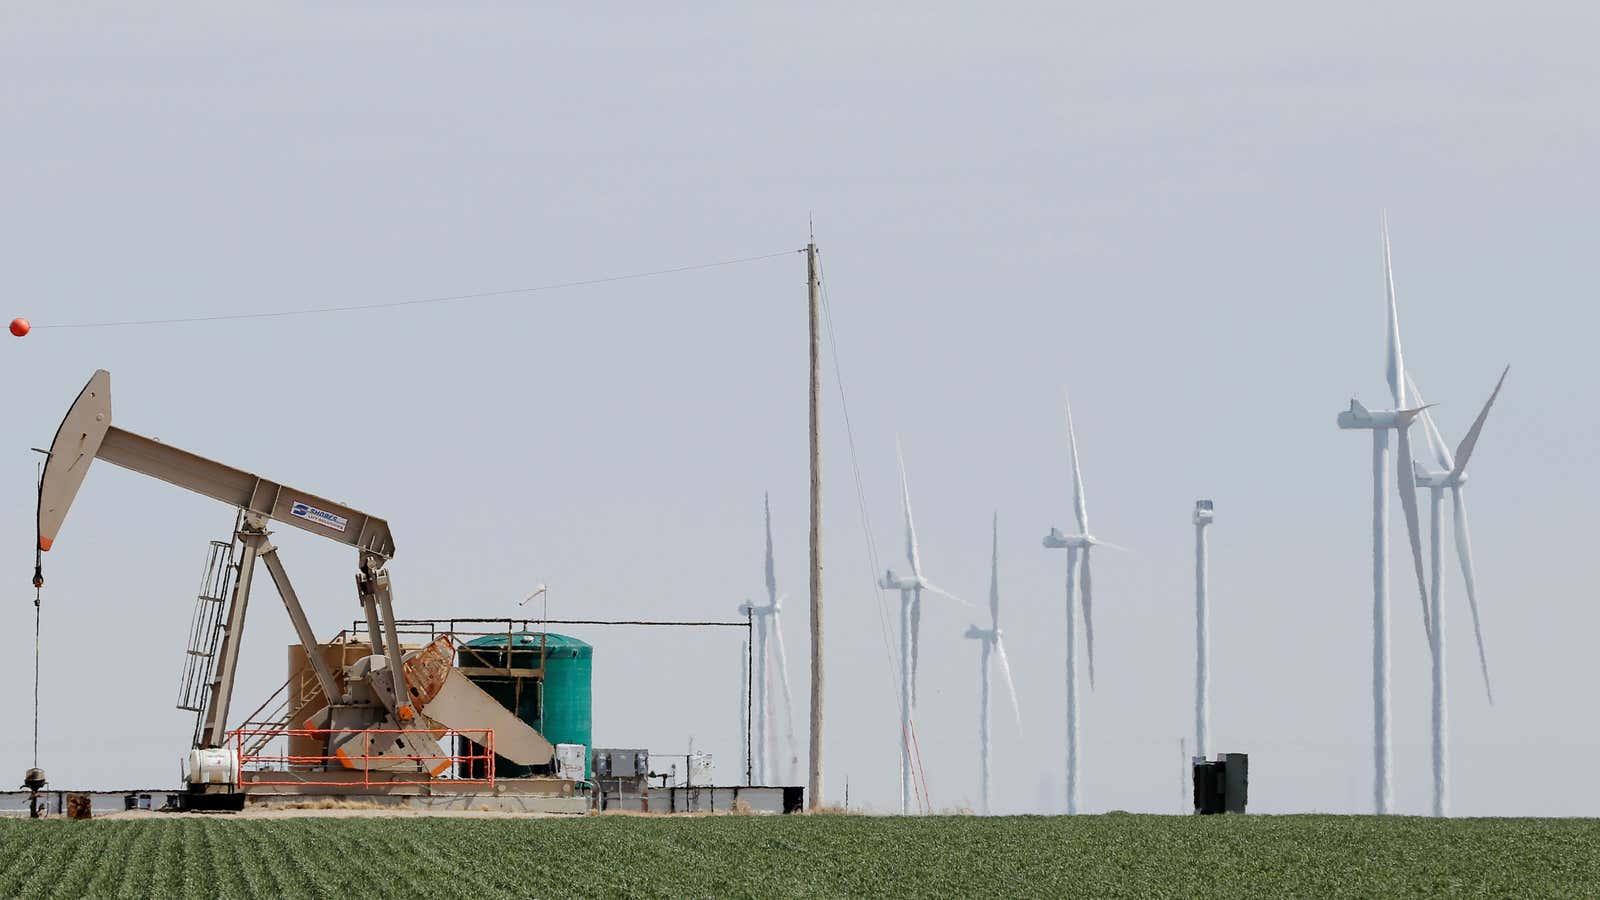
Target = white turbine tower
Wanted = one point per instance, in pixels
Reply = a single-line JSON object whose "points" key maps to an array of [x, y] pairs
{"points": [[1451, 475], [910, 589], [771, 615], [1203, 514], [992, 644], [1077, 547], [1380, 422]]}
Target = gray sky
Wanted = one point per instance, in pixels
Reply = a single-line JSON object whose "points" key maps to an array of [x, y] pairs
{"points": [[1173, 211]]}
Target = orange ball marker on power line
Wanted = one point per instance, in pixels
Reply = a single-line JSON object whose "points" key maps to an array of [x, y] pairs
{"points": [[20, 326]]}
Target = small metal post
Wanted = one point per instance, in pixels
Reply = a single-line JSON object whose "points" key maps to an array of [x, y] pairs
{"points": [[750, 697]]}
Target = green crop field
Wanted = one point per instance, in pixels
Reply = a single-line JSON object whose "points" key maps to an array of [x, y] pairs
{"points": [[827, 856]]}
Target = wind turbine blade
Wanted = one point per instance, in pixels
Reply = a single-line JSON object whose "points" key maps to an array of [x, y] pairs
{"points": [[788, 698], [1088, 612], [1436, 444], [1011, 686], [1394, 366], [994, 577], [911, 529], [772, 575], [1464, 552], [1407, 479], [1079, 507], [1464, 452], [1110, 546], [934, 588]]}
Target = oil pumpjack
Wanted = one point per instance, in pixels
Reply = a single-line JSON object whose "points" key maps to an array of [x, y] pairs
{"points": [[388, 712]]}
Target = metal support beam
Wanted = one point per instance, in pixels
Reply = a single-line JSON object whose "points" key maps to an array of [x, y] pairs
{"points": [[378, 584], [280, 502], [215, 733], [369, 606], [308, 638]]}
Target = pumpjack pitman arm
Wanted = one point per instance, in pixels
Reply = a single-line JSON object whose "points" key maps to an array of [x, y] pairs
{"points": [[86, 434]]}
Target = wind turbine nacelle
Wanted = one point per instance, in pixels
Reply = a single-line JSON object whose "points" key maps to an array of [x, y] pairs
{"points": [[1055, 540], [1203, 512], [892, 582], [979, 634], [1358, 416]]}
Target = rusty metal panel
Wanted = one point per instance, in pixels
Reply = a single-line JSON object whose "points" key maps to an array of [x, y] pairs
{"points": [[427, 669]]}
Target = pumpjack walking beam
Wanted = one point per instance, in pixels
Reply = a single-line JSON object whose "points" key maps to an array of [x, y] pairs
{"points": [[86, 434]]}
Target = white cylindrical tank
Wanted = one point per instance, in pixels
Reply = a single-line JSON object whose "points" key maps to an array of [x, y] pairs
{"points": [[213, 765]]}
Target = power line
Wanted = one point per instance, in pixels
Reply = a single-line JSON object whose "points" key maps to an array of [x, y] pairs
{"points": [[884, 628], [855, 468], [393, 304]]}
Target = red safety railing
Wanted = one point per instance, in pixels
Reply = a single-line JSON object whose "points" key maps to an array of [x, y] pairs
{"points": [[250, 745]]}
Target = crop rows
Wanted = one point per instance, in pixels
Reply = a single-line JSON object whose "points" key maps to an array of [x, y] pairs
{"points": [[823, 856]]}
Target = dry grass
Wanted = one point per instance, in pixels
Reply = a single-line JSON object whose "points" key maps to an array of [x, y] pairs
{"points": [[836, 811], [327, 803]]}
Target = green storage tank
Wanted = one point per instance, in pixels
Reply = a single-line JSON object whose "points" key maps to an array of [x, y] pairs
{"points": [[560, 707]]}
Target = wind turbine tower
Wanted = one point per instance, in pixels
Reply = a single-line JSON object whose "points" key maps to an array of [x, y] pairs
{"points": [[1202, 633], [1380, 422], [770, 615], [910, 589], [759, 692], [1450, 475], [1077, 547], [992, 645]]}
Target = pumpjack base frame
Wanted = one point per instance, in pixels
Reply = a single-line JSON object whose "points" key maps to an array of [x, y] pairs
{"points": [[537, 795]]}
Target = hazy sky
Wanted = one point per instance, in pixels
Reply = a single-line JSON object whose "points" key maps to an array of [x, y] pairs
{"points": [[1171, 210]]}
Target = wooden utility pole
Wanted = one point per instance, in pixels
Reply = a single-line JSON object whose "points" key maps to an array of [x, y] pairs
{"points": [[813, 292]]}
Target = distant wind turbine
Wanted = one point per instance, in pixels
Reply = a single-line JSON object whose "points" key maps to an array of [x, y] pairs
{"points": [[1203, 515], [1380, 422], [771, 615], [910, 589], [1077, 546], [1450, 475], [992, 643], [758, 691]]}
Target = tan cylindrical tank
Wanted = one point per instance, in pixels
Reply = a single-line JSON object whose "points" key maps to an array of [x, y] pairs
{"points": [[305, 693]]}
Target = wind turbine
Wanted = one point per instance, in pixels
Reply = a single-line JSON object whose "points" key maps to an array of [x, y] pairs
{"points": [[1077, 546], [1380, 422], [910, 588], [1203, 515], [991, 644], [758, 691], [1450, 475], [765, 616]]}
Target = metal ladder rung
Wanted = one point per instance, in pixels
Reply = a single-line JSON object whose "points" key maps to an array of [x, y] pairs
{"points": [[206, 627]]}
